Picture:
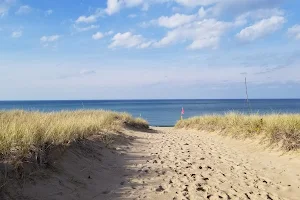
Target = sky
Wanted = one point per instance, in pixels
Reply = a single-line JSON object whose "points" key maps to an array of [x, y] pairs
{"points": [[149, 49]]}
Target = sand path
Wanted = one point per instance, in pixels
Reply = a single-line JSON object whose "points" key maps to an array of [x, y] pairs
{"points": [[178, 164], [192, 165]]}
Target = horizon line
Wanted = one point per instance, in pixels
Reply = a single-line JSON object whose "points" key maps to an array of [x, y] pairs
{"points": [[151, 99]]}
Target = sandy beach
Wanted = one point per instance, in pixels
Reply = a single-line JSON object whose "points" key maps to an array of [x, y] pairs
{"points": [[165, 163], [149, 100]]}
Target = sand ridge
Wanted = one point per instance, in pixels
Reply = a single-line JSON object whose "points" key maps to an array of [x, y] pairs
{"points": [[173, 164]]}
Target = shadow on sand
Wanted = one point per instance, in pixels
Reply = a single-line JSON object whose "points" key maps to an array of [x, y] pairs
{"points": [[99, 167]]}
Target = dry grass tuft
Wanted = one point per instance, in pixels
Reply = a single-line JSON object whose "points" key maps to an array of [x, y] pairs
{"points": [[277, 129], [24, 134]]}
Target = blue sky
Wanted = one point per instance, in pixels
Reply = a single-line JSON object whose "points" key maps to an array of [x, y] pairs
{"points": [[148, 49]]}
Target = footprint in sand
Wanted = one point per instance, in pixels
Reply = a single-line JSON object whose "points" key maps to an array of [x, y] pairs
{"points": [[160, 189]]}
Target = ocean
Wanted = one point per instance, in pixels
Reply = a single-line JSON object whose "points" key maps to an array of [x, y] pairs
{"points": [[162, 112]]}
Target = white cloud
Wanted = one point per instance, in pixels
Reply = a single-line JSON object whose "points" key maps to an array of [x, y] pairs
{"points": [[144, 45], [206, 42], [175, 20], [114, 6], [23, 10], [128, 40], [97, 36], [16, 34], [241, 6], [86, 19], [48, 12], [86, 28], [91, 18], [51, 38], [192, 3], [261, 28], [203, 34], [263, 13], [5, 6], [109, 32], [216, 6], [258, 14], [202, 13], [294, 31]]}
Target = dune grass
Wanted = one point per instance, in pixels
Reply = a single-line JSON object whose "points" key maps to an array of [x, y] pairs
{"points": [[277, 129], [23, 133]]}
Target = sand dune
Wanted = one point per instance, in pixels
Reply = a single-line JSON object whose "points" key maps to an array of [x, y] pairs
{"points": [[169, 164]]}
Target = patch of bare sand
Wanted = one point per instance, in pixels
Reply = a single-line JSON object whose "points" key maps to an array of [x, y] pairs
{"points": [[170, 164]]}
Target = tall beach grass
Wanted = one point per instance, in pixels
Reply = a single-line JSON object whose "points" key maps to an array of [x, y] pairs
{"points": [[23, 133], [277, 129]]}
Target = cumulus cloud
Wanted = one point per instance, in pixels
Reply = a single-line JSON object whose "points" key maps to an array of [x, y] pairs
{"points": [[114, 6], [109, 32], [207, 33], [202, 12], [216, 6], [98, 36], [203, 34], [175, 20], [261, 28], [192, 3], [241, 6], [16, 34], [258, 14], [128, 40], [294, 32], [51, 38], [23, 10], [86, 28], [91, 18], [262, 13], [87, 19]]}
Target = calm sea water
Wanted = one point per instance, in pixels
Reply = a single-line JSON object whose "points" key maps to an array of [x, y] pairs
{"points": [[161, 112]]}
